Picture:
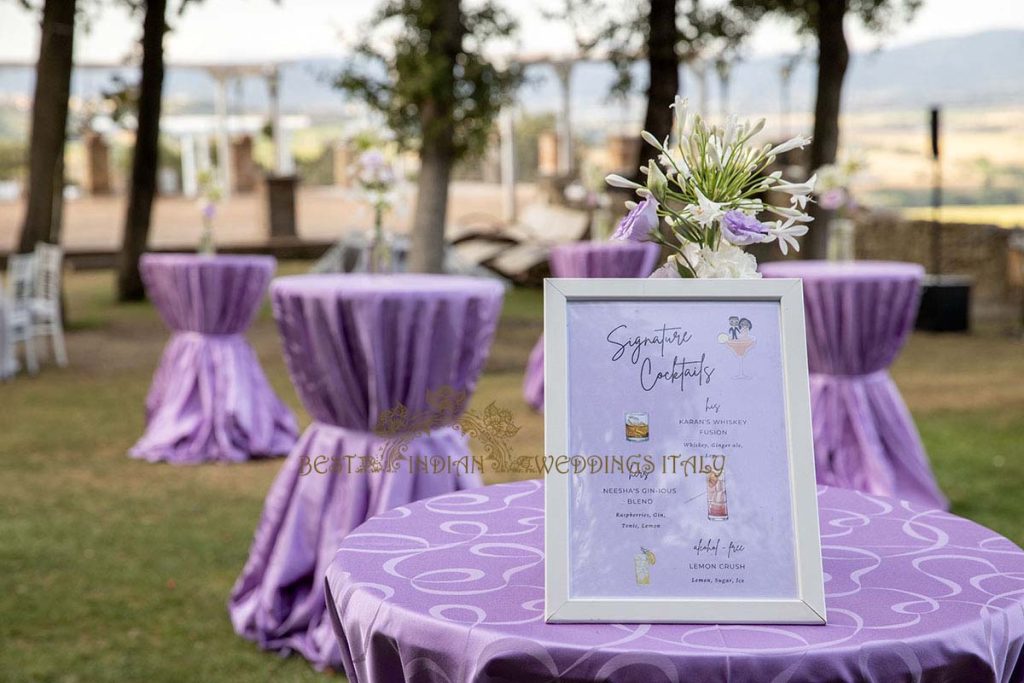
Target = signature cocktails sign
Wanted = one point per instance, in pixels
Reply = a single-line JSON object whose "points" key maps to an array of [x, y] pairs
{"points": [[688, 402]]}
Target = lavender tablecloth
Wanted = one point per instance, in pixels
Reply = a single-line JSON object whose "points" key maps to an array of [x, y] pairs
{"points": [[859, 316], [210, 400], [374, 359], [452, 589], [587, 259]]}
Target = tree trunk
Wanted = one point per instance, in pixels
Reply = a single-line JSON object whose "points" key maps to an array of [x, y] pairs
{"points": [[146, 155], [437, 150], [833, 58], [49, 124], [663, 75]]}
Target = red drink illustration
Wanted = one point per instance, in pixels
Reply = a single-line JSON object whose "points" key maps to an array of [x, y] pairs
{"points": [[718, 503]]}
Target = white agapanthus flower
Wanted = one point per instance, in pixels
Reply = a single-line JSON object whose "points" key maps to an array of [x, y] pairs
{"points": [[705, 212], [799, 192], [786, 233], [798, 142]]}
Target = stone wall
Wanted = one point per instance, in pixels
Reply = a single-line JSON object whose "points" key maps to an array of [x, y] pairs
{"points": [[986, 253]]}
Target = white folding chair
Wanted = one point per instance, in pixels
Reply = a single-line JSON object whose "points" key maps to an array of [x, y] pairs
{"points": [[17, 310], [46, 316]]}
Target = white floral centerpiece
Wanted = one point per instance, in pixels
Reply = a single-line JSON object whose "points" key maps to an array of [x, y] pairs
{"points": [[209, 197], [833, 186], [706, 186], [833, 193]]}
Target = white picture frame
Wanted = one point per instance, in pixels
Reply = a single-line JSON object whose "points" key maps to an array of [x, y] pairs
{"points": [[808, 607]]}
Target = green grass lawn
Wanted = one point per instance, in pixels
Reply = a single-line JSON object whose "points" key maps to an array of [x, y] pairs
{"points": [[113, 569]]}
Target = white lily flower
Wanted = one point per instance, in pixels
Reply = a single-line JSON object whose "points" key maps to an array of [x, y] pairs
{"points": [[616, 180], [790, 214], [673, 161], [651, 140], [715, 152], [731, 127], [704, 212], [682, 116], [786, 233], [798, 191], [798, 142]]}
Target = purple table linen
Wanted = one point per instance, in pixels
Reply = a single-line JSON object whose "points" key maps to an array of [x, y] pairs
{"points": [[210, 400], [587, 259], [358, 347], [859, 316], [452, 589]]}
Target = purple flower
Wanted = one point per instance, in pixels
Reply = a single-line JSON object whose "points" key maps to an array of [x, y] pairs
{"points": [[209, 210], [832, 199], [740, 229], [639, 222]]}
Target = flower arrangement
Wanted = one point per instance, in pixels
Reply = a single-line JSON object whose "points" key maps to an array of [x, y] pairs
{"points": [[833, 188], [210, 195], [706, 186], [376, 179]]}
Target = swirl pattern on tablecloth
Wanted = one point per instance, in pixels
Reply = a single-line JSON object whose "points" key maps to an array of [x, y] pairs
{"points": [[452, 589]]}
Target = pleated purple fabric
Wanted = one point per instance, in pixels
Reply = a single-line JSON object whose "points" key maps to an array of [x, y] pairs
{"points": [[210, 401], [361, 350], [859, 316], [452, 589], [587, 259]]}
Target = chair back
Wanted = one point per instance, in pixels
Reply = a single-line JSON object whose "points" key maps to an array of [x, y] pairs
{"points": [[21, 272], [49, 262]]}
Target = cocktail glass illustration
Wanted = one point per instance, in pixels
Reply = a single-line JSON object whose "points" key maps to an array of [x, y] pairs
{"points": [[718, 503], [740, 347], [637, 427], [642, 564]]}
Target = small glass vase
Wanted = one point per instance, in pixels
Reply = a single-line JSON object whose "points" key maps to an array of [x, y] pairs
{"points": [[601, 225], [206, 246], [380, 253], [841, 240]]}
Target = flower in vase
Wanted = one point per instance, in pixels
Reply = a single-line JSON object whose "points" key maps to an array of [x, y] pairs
{"points": [[709, 184], [704, 212], [639, 222], [740, 229], [833, 199], [668, 270], [786, 233], [728, 261]]}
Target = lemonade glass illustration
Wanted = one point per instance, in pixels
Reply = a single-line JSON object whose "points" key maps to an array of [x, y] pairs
{"points": [[642, 564], [637, 427], [718, 502]]}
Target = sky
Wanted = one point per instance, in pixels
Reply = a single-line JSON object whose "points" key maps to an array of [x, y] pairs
{"points": [[263, 30]]}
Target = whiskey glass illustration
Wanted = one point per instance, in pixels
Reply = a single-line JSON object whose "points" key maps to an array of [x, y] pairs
{"points": [[637, 427], [718, 502]]}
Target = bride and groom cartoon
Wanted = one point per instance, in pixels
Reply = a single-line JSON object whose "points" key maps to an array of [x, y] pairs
{"points": [[739, 340]]}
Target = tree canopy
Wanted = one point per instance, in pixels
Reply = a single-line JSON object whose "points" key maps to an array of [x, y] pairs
{"points": [[398, 71]]}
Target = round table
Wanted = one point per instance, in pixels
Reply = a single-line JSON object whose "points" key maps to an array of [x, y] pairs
{"points": [[210, 400], [385, 365], [587, 259], [452, 589], [859, 315]]}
